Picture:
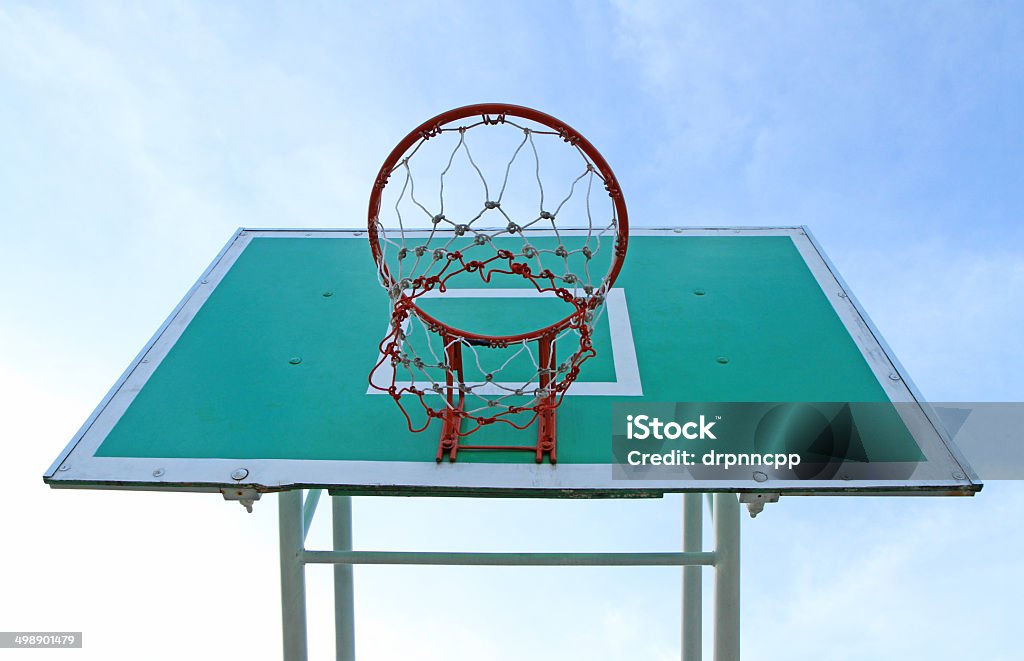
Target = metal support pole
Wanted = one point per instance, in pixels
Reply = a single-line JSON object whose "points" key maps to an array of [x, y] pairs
{"points": [[727, 577], [309, 510], [693, 541], [344, 609], [469, 559], [293, 575]]}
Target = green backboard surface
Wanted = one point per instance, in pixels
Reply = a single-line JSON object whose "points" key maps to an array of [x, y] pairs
{"points": [[261, 372]]}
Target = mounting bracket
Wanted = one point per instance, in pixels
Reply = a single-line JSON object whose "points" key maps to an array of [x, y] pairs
{"points": [[243, 495], [756, 501]]}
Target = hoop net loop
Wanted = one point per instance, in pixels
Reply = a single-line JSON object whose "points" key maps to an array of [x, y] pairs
{"points": [[513, 216]]}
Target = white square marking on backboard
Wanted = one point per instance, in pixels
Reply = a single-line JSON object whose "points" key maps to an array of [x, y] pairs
{"points": [[627, 372]]}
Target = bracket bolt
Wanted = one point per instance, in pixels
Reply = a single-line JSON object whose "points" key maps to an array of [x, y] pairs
{"points": [[239, 474]]}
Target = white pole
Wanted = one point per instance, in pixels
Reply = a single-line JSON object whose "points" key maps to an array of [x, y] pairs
{"points": [[693, 540], [293, 576], [727, 577], [344, 608]]}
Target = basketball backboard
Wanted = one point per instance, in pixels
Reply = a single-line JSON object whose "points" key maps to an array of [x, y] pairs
{"points": [[258, 379]]}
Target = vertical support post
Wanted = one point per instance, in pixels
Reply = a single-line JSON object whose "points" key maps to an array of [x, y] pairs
{"points": [[293, 575], [452, 417], [547, 438], [344, 609], [693, 540], [309, 511], [727, 577]]}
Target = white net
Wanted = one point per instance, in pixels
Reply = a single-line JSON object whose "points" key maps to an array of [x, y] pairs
{"points": [[497, 239]]}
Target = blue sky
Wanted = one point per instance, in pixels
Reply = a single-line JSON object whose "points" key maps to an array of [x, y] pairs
{"points": [[135, 139]]}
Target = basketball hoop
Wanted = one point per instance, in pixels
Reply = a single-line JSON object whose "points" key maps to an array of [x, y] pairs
{"points": [[484, 165]]}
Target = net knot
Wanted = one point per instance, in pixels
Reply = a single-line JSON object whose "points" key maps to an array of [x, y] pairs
{"points": [[398, 288], [567, 136]]}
